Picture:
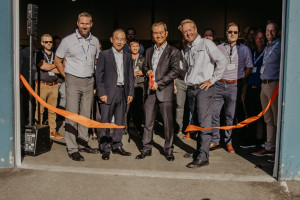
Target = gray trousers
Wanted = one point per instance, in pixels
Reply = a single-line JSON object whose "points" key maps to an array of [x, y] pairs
{"points": [[180, 102], [116, 108], [62, 94], [270, 116], [165, 108], [200, 104], [79, 98], [224, 94]]}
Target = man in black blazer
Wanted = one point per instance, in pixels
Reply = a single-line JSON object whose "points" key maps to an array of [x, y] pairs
{"points": [[115, 84], [162, 61]]}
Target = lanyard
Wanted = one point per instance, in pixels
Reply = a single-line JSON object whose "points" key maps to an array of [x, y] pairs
{"points": [[85, 52], [266, 57], [46, 56], [257, 59], [135, 61], [230, 53]]}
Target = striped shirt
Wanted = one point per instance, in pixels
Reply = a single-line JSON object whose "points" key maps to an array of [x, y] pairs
{"points": [[239, 57]]}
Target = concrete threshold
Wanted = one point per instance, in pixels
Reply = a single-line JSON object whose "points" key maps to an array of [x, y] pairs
{"points": [[152, 173]]}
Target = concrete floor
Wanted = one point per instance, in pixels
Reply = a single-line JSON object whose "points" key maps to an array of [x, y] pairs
{"points": [[53, 175]]}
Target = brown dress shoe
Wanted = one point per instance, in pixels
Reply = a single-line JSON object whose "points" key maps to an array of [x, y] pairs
{"points": [[263, 152], [213, 146], [230, 149]]}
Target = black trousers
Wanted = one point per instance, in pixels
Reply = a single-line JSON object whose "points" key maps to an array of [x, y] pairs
{"points": [[165, 108], [135, 110], [253, 107], [117, 109]]}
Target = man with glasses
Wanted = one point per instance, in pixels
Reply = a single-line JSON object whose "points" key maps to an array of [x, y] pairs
{"points": [[79, 51], [130, 35], [115, 84], [228, 90], [46, 85]]}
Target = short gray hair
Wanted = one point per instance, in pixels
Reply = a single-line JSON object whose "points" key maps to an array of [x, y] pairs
{"points": [[158, 24], [85, 14]]}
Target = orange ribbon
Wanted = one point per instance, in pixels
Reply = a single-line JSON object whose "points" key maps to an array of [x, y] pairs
{"points": [[241, 124], [72, 116]]}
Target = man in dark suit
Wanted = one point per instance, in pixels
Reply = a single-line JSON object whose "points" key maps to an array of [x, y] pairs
{"points": [[162, 61], [115, 84]]}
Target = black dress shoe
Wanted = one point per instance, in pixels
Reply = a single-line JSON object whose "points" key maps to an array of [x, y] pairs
{"points": [[105, 156], [143, 155], [170, 156], [76, 156], [197, 163], [121, 151], [89, 150]]}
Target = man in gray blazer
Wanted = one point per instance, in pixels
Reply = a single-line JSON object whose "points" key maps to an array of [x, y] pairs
{"points": [[162, 61], [115, 84]]}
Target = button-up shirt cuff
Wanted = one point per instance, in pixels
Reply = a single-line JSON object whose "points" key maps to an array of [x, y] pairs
{"points": [[212, 80]]}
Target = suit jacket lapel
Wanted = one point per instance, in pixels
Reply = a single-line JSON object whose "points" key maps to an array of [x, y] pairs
{"points": [[163, 55], [113, 59], [124, 63], [151, 54]]}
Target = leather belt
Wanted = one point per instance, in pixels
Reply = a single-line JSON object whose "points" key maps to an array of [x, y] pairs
{"points": [[268, 80], [228, 82], [193, 87], [119, 86], [47, 83]]}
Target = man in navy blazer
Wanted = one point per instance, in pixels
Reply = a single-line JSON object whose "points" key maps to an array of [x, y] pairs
{"points": [[162, 61], [115, 84]]}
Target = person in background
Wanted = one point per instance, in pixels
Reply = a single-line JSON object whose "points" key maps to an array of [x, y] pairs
{"points": [[180, 88], [227, 90], [46, 85], [269, 74], [130, 35], [254, 131], [135, 111]]}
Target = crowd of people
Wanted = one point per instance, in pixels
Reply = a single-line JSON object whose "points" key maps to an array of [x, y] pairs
{"points": [[205, 83]]}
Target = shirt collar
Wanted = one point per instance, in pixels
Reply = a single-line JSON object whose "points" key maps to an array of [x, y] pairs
{"points": [[275, 41], [161, 48], [195, 42], [237, 43], [80, 37], [116, 52]]}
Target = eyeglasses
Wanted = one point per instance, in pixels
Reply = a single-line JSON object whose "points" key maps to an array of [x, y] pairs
{"points": [[130, 33], [235, 32], [46, 42]]}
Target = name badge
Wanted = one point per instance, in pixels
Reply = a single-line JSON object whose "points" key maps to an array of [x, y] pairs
{"points": [[51, 74], [262, 70], [254, 69], [86, 63], [231, 66]]}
